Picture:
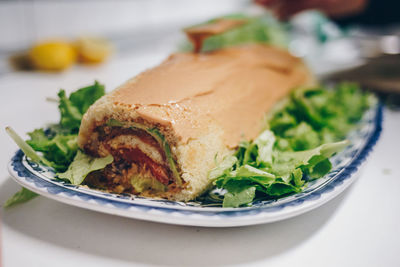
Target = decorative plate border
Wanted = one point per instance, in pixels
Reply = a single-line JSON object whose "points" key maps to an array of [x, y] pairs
{"points": [[346, 163]]}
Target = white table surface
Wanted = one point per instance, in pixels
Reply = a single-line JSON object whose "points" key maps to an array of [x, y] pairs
{"points": [[361, 227]]}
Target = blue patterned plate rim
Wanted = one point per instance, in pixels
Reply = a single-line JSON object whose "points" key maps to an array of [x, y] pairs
{"points": [[345, 163]]}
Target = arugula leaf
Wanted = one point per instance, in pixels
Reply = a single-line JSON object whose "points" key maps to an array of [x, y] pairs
{"points": [[58, 144], [73, 108], [29, 152], [82, 165], [21, 196], [59, 149], [70, 115], [83, 98]]}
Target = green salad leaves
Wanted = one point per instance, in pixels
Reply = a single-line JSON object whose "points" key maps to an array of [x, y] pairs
{"points": [[58, 144], [301, 135]]}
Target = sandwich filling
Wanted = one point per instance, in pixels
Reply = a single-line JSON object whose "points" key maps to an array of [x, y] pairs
{"points": [[142, 159]]}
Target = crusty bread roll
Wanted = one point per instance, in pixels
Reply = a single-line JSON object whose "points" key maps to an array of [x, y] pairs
{"points": [[166, 126]]}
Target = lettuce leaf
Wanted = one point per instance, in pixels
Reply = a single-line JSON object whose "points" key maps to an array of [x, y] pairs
{"points": [[331, 113], [21, 196], [283, 176], [225, 166], [82, 165], [241, 196], [286, 162]]}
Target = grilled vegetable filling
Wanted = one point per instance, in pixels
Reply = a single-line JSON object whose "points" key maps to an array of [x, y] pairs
{"points": [[142, 160]]}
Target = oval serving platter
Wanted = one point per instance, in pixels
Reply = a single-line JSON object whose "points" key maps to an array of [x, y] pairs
{"points": [[40, 179]]}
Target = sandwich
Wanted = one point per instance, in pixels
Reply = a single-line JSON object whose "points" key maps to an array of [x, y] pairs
{"points": [[165, 127], [234, 119]]}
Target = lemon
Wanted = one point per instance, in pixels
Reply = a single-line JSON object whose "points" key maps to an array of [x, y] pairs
{"points": [[53, 55], [93, 50]]}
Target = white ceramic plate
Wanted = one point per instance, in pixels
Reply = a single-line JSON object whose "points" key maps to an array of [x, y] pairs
{"points": [[40, 179]]}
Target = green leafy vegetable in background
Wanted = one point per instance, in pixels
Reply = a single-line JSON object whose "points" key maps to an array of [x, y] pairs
{"points": [[58, 144], [300, 138], [260, 29]]}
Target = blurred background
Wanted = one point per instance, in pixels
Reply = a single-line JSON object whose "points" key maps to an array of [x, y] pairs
{"points": [[27, 21], [332, 40], [115, 40], [129, 25]]}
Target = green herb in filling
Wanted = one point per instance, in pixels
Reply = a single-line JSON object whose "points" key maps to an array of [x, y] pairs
{"points": [[140, 184], [160, 140]]}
